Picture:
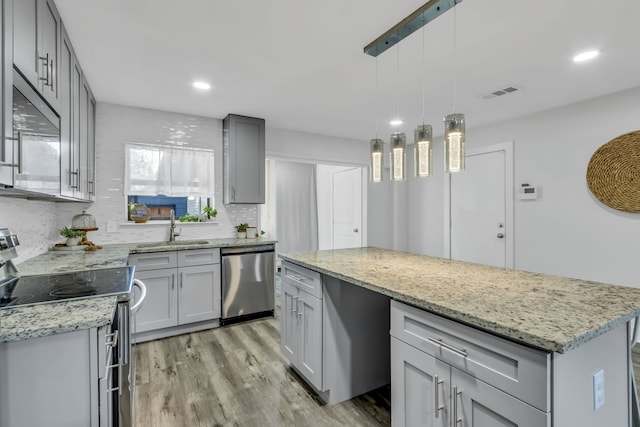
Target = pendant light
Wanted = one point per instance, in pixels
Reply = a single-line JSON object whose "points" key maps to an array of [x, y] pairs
{"points": [[398, 139], [422, 135], [454, 126], [377, 156], [376, 149]]}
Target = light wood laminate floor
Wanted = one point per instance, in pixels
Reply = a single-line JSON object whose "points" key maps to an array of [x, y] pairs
{"points": [[236, 376]]}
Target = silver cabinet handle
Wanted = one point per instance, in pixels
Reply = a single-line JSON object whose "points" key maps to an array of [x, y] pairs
{"points": [[436, 383], [173, 281], [294, 310], [45, 59], [301, 311], [19, 152], [76, 179], [296, 277], [455, 395], [90, 187], [355, 230], [52, 75], [440, 343], [181, 273], [500, 236]]}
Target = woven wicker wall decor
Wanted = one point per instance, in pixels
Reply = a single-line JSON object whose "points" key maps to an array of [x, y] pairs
{"points": [[613, 174]]}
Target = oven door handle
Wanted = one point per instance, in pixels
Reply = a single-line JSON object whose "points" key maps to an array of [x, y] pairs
{"points": [[143, 294]]}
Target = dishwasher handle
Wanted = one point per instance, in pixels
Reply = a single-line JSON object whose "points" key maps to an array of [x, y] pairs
{"points": [[143, 294], [247, 249]]}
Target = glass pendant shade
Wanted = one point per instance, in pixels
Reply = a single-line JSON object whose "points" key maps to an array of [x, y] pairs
{"points": [[422, 151], [398, 156], [454, 134], [377, 150]]}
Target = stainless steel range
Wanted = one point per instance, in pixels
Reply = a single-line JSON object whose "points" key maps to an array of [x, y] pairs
{"points": [[117, 397]]}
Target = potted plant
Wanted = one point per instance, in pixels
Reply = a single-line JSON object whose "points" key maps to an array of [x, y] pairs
{"points": [[242, 231], [211, 213], [73, 236]]}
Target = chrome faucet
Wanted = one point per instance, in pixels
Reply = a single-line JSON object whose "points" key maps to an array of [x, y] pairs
{"points": [[172, 229]]}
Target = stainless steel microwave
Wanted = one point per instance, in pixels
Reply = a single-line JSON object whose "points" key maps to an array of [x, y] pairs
{"points": [[31, 155]]}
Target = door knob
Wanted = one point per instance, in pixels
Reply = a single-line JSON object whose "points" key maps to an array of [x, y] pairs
{"points": [[355, 230], [500, 235]]}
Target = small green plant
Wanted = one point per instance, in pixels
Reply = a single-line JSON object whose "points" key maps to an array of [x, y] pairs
{"points": [[210, 211], [70, 233], [189, 218], [262, 232], [242, 228]]}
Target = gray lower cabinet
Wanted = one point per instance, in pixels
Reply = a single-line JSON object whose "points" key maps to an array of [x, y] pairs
{"points": [[445, 373], [423, 390], [301, 329], [55, 381], [183, 289], [335, 335]]}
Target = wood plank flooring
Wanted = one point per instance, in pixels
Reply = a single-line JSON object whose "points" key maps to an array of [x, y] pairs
{"points": [[236, 376]]}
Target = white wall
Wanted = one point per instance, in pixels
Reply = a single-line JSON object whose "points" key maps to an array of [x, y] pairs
{"points": [[566, 231], [117, 125]]}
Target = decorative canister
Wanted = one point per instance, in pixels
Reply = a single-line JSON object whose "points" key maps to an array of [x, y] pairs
{"points": [[140, 213]]}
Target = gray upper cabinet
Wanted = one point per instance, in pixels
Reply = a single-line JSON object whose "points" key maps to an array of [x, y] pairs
{"points": [[244, 159], [37, 45]]}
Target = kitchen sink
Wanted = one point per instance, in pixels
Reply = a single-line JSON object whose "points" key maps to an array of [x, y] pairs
{"points": [[176, 243]]}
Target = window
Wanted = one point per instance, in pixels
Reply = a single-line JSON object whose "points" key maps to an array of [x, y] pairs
{"points": [[165, 178]]}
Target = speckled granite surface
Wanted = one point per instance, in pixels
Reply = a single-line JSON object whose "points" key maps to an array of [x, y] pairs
{"points": [[40, 320], [58, 317], [548, 312]]}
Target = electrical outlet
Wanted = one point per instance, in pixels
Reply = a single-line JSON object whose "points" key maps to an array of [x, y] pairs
{"points": [[598, 390], [112, 227]]}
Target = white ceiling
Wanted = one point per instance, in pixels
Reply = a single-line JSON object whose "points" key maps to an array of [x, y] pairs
{"points": [[300, 64]]}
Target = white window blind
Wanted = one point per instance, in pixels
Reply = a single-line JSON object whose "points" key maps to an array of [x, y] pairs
{"points": [[182, 172]]}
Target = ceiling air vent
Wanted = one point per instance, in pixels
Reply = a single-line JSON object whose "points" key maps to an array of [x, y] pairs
{"points": [[500, 92]]}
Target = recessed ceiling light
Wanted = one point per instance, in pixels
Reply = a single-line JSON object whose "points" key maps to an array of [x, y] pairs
{"points": [[202, 85], [396, 122], [585, 56]]}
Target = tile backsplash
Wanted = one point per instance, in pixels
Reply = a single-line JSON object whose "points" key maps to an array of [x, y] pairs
{"points": [[37, 223]]}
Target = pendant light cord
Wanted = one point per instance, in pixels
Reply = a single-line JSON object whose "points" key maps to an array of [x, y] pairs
{"points": [[423, 70], [377, 95], [455, 59], [398, 86]]}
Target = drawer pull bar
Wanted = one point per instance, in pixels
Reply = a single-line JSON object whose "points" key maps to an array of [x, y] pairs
{"points": [[294, 277], [436, 383], [294, 310], [456, 393], [449, 347]]}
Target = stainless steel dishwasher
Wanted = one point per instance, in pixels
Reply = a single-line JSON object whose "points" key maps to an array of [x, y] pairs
{"points": [[248, 277]]}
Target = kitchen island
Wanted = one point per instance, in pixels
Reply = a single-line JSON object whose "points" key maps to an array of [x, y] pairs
{"points": [[568, 329]]}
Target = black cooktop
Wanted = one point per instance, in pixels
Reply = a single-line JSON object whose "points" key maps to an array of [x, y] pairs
{"points": [[27, 290]]}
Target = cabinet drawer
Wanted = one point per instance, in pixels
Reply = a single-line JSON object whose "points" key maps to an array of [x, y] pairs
{"points": [[198, 257], [302, 278], [154, 261], [520, 371]]}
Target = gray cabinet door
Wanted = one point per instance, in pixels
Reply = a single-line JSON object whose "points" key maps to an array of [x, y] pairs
{"points": [[244, 159], [310, 344], [415, 379], [91, 148], [481, 405], [68, 151], [199, 294], [48, 50], [288, 322], [25, 39], [160, 308]]}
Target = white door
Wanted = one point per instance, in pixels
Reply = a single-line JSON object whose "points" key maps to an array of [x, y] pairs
{"points": [[481, 208], [347, 208]]}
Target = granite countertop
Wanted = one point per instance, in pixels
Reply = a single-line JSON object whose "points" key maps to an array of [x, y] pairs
{"points": [[39, 320], [548, 312]]}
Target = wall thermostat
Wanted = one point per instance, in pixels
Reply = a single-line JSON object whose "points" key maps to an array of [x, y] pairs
{"points": [[527, 192]]}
